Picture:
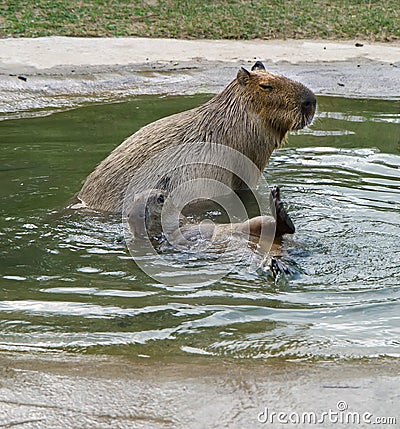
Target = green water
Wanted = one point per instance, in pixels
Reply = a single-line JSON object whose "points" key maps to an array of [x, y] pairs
{"points": [[69, 283]]}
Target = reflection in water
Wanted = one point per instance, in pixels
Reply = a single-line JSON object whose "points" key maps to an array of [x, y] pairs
{"points": [[68, 281]]}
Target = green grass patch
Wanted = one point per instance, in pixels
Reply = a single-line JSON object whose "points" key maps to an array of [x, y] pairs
{"points": [[278, 19]]}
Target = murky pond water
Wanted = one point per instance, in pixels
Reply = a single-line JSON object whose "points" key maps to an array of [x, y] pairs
{"points": [[69, 283]]}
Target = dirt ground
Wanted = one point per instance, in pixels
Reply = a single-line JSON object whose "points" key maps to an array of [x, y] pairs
{"points": [[60, 72], [70, 391]]}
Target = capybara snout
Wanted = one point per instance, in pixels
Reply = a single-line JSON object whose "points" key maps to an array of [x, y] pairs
{"points": [[308, 103]]}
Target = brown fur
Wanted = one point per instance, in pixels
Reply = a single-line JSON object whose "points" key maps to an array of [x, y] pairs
{"points": [[253, 230], [253, 115]]}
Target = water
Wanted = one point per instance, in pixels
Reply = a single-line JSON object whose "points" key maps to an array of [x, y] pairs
{"points": [[68, 282]]}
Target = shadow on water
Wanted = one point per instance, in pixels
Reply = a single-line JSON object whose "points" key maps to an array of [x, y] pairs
{"points": [[69, 283]]}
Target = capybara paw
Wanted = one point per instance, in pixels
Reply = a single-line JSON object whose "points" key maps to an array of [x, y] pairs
{"points": [[284, 224]]}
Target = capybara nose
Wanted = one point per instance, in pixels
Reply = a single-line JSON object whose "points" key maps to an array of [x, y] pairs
{"points": [[308, 103]]}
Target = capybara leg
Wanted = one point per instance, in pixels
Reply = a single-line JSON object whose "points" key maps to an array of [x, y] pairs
{"points": [[280, 268], [284, 224]]}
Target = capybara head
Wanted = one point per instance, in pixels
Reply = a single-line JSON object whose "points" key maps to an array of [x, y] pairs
{"points": [[282, 103], [144, 216]]}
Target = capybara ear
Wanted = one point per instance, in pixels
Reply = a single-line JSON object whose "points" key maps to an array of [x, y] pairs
{"points": [[258, 66], [243, 76]]}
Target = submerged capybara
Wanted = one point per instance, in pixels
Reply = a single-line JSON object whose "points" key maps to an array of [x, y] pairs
{"points": [[252, 115], [148, 218], [151, 217]]}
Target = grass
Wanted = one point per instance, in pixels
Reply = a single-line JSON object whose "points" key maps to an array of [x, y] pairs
{"points": [[219, 19]]}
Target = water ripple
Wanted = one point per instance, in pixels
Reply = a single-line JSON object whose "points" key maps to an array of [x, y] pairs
{"points": [[69, 283]]}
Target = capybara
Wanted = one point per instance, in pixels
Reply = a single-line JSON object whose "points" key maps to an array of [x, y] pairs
{"points": [[252, 115], [150, 217]]}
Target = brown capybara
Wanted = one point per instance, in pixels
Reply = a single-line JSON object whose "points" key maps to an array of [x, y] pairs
{"points": [[147, 218], [150, 216], [252, 115]]}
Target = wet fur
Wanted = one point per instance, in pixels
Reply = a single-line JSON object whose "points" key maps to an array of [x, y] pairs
{"points": [[146, 220], [250, 118]]}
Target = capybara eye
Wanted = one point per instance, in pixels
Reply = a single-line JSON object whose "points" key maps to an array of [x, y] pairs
{"points": [[266, 87], [160, 199]]}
